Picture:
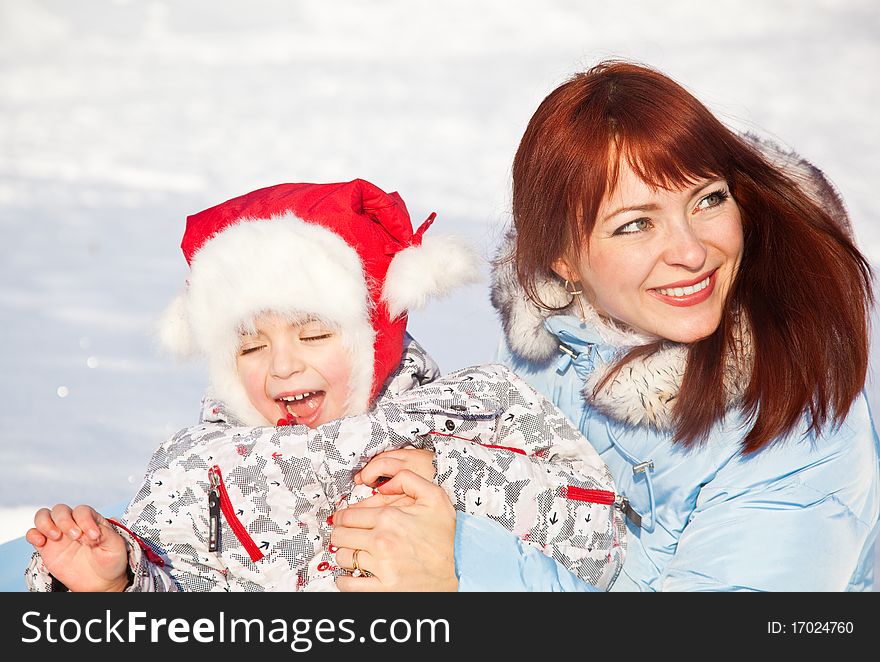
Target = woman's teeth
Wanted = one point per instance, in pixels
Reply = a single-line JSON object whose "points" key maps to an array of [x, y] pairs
{"points": [[684, 291]]}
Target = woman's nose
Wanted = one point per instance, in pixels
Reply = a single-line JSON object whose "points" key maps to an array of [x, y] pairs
{"points": [[685, 248]]}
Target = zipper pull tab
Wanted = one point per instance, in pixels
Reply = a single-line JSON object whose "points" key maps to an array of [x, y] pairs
{"points": [[213, 509], [622, 504]]}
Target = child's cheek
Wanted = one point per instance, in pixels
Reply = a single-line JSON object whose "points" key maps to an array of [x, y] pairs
{"points": [[341, 380], [254, 382]]}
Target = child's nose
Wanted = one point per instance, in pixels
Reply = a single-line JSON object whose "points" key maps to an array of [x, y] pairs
{"points": [[286, 364]]}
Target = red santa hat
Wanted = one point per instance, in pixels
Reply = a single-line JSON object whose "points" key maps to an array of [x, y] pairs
{"points": [[345, 253]]}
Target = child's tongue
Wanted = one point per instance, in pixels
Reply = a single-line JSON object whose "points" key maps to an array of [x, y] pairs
{"points": [[304, 408]]}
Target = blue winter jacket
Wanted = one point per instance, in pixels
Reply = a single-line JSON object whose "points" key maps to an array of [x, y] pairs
{"points": [[799, 515]]}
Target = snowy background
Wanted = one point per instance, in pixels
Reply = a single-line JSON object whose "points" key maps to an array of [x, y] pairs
{"points": [[118, 119]]}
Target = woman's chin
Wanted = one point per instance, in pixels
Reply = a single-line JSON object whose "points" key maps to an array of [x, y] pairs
{"points": [[686, 331], [688, 335]]}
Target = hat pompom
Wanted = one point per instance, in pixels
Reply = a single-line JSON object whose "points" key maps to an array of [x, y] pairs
{"points": [[173, 330], [432, 269]]}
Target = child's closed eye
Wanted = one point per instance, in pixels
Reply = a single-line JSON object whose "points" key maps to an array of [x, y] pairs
{"points": [[316, 337], [250, 349]]}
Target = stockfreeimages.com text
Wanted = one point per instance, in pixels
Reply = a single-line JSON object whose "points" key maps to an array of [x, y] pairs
{"points": [[300, 633]]}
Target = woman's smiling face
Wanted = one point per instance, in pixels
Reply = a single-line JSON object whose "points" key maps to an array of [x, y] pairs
{"points": [[662, 262]]}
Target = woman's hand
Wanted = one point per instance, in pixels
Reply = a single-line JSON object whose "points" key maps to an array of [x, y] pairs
{"points": [[407, 546], [390, 463], [80, 548]]}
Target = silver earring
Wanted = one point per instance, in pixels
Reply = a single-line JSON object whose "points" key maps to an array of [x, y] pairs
{"points": [[575, 289]]}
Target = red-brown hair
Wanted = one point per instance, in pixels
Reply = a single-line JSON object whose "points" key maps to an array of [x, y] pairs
{"points": [[803, 286]]}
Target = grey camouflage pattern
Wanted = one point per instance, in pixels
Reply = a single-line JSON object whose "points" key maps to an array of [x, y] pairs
{"points": [[284, 482]]}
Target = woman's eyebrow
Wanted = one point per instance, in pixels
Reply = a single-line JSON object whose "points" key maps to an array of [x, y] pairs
{"points": [[702, 187], [645, 207]]}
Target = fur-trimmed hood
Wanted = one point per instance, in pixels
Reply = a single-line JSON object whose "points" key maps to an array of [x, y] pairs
{"points": [[342, 253], [643, 393]]}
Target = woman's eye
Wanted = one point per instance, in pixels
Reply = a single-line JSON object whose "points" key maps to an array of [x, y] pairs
{"points": [[250, 350], [638, 225], [713, 200]]}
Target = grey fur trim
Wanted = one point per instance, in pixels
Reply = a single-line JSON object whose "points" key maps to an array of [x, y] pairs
{"points": [[521, 319], [643, 393], [808, 177]]}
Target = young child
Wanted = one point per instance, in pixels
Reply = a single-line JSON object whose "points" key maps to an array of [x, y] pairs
{"points": [[297, 299]]}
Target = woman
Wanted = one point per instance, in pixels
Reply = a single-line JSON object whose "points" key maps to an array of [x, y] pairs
{"points": [[693, 300]]}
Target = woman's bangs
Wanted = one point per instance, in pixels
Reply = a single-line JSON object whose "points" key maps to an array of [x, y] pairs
{"points": [[672, 164]]}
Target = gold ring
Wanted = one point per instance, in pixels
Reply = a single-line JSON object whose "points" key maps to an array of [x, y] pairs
{"points": [[357, 572]]}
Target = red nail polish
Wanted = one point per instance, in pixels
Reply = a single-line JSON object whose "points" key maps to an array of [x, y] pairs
{"points": [[330, 520], [333, 549]]}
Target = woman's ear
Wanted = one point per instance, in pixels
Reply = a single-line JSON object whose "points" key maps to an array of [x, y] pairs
{"points": [[560, 268]]}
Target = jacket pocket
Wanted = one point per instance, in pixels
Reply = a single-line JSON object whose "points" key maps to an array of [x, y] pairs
{"points": [[450, 403], [219, 502]]}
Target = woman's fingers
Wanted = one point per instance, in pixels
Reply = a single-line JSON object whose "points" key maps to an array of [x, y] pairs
{"points": [[382, 500], [390, 463], [381, 466], [361, 583], [408, 548], [351, 538], [412, 485], [356, 518], [345, 559]]}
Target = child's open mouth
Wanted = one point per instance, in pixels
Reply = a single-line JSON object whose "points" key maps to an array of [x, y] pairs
{"points": [[301, 408]]}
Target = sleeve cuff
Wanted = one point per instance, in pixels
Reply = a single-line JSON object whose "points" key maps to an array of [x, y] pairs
{"points": [[490, 558]]}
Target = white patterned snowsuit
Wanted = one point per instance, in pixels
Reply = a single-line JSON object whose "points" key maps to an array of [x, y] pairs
{"points": [[502, 451]]}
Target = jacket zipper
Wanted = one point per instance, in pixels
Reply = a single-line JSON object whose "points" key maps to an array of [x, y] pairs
{"points": [[622, 504], [218, 500], [603, 497], [146, 549], [606, 498]]}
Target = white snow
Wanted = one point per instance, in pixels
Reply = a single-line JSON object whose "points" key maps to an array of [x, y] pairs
{"points": [[118, 119], [16, 521]]}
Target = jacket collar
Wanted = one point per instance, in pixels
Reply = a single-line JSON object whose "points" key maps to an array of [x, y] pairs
{"points": [[643, 394]]}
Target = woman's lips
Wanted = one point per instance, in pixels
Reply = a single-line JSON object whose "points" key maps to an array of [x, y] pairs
{"points": [[688, 295]]}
